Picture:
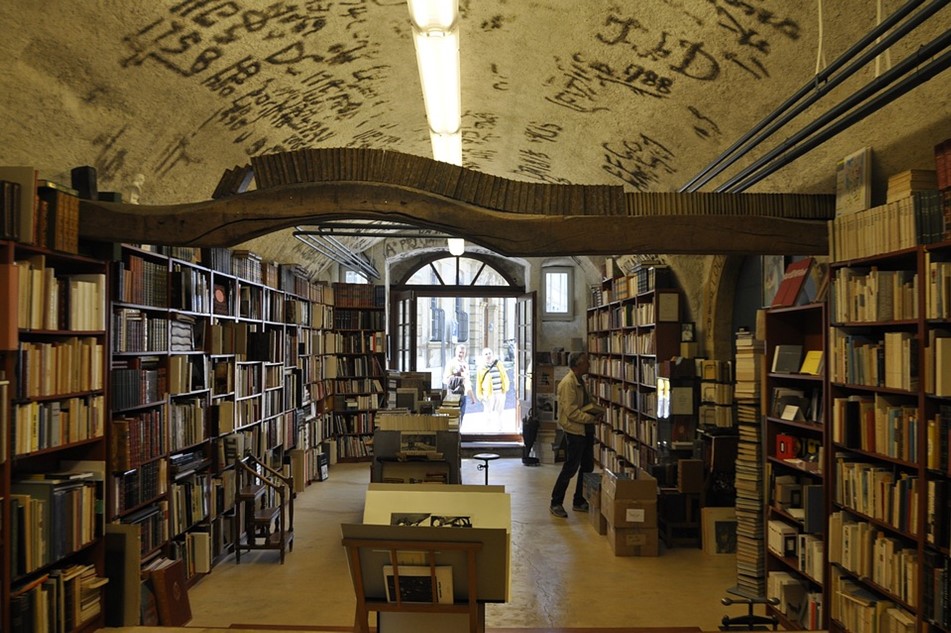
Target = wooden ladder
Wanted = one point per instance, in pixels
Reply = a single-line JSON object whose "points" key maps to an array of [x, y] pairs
{"points": [[264, 499]]}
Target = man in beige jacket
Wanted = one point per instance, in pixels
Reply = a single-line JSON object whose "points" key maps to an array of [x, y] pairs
{"points": [[577, 415]]}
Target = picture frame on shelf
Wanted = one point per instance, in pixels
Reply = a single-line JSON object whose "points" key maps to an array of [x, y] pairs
{"points": [[687, 332]]}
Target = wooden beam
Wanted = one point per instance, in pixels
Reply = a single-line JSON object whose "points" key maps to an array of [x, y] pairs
{"points": [[235, 219]]}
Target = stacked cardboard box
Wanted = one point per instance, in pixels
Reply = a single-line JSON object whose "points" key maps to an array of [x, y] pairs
{"points": [[629, 505], [591, 490]]}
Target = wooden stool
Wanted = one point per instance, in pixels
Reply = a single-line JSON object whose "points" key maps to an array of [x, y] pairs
{"points": [[486, 458]]}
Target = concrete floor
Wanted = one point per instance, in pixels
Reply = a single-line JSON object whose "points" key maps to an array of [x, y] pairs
{"points": [[563, 572]]}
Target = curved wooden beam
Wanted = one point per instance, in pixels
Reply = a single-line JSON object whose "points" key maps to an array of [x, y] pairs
{"points": [[509, 217], [230, 221]]}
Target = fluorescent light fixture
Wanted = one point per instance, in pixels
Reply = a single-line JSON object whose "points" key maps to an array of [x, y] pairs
{"points": [[457, 246], [447, 147], [429, 15], [437, 54]]}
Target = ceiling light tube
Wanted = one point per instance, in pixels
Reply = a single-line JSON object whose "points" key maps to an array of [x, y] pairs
{"points": [[430, 15], [437, 54], [447, 147]]}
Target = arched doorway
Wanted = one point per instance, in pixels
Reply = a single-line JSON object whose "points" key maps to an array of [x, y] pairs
{"points": [[440, 301]]}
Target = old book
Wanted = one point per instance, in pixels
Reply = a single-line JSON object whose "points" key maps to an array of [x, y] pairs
{"points": [[793, 280], [787, 359], [25, 213], [171, 594]]}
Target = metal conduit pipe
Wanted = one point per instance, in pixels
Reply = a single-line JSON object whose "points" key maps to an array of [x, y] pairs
{"points": [[358, 258], [922, 75], [344, 257], [815, 89]]}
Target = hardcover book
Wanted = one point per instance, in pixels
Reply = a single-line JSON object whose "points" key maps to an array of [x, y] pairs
{"points": [[792, 284], [171, 594], [787, 359]]}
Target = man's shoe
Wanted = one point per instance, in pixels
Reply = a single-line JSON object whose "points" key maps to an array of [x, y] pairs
{"points": [[559, 511], [581, 507]]}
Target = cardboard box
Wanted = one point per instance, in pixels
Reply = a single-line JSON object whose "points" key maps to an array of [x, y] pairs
{"points": [[597, 520], [690, 475], [633, 541], [630, 513], [631, 485], [629, 500]]}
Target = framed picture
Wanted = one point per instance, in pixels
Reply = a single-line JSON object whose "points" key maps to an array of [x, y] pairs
{"points": [[687, 332], [774, 266]]}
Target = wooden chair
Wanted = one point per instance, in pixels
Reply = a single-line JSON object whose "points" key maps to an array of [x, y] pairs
{"points": [[264, 498], [366, 604]]}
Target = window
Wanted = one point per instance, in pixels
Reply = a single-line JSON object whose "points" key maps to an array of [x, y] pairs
{"points": [[355, 277], [558, 293]]}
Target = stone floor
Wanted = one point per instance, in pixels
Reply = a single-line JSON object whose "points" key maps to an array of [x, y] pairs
{"points": [[563, 573]]}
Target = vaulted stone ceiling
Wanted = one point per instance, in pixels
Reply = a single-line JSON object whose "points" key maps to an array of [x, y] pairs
{"points": [[640, 94]]}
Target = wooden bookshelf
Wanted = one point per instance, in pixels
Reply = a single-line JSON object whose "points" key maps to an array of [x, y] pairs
{"points": [[633, 324], [355, 369], [52, 421], [796, 423], [216, 355], [890, 423]]}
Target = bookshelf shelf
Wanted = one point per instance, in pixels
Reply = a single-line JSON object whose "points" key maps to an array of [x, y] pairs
{"points": [[632, 325], [52, 396], [230, 382], [795, 425]]}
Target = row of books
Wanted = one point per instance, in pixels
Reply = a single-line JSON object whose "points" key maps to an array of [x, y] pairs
{"points": [[880, 424], [137, 331], [35, 211], [347, 319], [136, 439], [862, 295], [905, 223], [187, 423], [859, 610], [51, 518], [132, 387], [41, 300], [888, 361], [863, 549], [40, 426], [878, 492], [63, 599], [144, 484], [69, 366]]}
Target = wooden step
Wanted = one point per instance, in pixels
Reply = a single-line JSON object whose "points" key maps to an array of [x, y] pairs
{"points": [[274, 540], [250, 493], [264, 516]]}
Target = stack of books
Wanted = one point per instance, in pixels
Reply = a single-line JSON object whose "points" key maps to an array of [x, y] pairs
{"points": [[903, 184], [750, 548]]}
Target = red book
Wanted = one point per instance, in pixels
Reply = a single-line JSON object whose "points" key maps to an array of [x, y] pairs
{"points": [[792, 283]]}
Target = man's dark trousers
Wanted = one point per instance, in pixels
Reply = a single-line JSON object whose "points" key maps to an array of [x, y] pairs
{"points": [[579, 454]]}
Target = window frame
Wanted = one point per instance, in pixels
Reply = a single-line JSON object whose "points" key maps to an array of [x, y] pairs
{"points": [[569, 313]]}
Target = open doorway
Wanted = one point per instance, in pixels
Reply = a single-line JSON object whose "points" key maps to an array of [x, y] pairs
{"points": [[447, 302]]}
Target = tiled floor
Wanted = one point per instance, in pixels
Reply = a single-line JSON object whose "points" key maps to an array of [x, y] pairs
{"points": [[563, 572]]}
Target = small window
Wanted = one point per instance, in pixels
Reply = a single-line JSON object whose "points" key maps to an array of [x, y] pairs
{"points": [[355, 277], [558, 293]]}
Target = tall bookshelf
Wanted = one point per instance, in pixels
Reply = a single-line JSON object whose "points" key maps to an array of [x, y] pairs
{"points": [[355, 369], [52, 435], [633, 325], [794, 434], [214, 357], [888, 472]]}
